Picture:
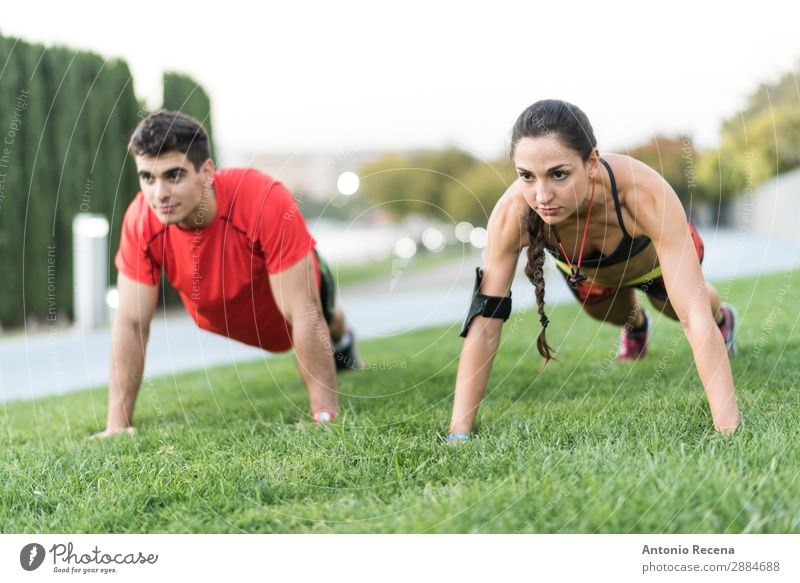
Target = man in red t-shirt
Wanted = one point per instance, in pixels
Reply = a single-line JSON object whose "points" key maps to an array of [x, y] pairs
{"points": [[235, 246]]}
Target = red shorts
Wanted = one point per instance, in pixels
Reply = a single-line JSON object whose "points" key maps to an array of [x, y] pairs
{"points": [[591, 293]]}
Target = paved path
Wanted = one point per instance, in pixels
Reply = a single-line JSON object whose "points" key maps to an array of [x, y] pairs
{"points": [[38, 364]]}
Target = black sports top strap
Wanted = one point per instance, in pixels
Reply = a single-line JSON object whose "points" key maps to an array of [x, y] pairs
{"points": [[626, 249], [615, 194]]}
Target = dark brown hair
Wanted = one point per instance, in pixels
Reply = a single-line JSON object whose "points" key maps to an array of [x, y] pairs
{"points": [[171, 131], [573, 130]]}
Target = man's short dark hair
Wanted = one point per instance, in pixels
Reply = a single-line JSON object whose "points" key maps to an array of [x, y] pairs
{"points": [[171, 131]]}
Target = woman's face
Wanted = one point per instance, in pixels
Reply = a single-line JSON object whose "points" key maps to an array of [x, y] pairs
{"points": [[555, 180]]}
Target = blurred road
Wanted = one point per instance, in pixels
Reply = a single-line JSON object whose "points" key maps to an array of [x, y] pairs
{"points": [[37, 364]]}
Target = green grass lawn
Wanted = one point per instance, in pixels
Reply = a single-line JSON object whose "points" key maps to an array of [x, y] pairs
{"points": [[588, 445]]}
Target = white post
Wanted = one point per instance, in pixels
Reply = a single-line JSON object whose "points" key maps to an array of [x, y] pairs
{"points": [[90, 269]]}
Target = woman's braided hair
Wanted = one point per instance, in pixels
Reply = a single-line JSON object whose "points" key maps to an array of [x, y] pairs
{"points": [[572, 128]]}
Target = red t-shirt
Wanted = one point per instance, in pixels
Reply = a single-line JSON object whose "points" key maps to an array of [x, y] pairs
{"points": [[222, 271]]}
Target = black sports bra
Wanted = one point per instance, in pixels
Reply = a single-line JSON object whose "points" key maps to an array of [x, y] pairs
{"points": [[626, 249]]}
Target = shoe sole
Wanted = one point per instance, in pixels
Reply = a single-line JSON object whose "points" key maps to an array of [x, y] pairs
{"points": [[643, 353]]}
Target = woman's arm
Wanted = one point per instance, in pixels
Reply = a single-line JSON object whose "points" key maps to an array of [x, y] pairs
{"points": [[660, 215], [483, 337]]}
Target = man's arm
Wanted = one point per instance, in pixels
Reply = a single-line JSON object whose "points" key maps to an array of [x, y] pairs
{"points": [[297, 297], [129, 335]]}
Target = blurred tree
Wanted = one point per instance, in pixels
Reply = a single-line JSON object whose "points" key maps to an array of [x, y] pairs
{"points": [[758, 142], [184, 94], [13, 178], [388, 182], [66, 123], [111, 170], [414, 183], [40, 185], [473, 196], [675, 158]]}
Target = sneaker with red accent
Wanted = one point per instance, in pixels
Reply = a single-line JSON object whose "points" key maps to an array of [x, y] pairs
{"points": [[728, 327], [633, 343], [345, 356]]}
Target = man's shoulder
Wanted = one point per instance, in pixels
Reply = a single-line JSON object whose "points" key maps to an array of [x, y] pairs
{"points": [[243, 180], [247, 193]]}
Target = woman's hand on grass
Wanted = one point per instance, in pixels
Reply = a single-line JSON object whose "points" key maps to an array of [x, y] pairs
{"points": [[456, 438], [112, 431], [727, 421], [726, 431]]}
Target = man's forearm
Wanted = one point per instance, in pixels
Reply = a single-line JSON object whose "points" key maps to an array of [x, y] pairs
{"points": [[314, 351], [128, 344]]}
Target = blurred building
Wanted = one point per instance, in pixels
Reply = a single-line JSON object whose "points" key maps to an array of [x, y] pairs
{"points": [[309, 175], [771, 209]]}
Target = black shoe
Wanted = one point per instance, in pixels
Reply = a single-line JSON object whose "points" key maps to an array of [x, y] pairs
{"points": [[728, 327], [344, 353]]}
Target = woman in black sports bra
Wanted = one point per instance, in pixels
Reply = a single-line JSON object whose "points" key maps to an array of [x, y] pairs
{"points": [[613, 225]]}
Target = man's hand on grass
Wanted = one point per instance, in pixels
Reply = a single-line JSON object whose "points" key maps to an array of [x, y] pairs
{"points": [[112, 431]]}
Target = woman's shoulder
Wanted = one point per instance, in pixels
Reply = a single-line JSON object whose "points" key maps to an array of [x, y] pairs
{"points": [[634, 178], [643, 192]]}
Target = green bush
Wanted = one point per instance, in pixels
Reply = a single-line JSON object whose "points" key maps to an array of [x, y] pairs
{"points": [[64, 130]]}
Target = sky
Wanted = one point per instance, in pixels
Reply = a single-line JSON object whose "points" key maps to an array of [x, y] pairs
{"points": [[339, 76]]}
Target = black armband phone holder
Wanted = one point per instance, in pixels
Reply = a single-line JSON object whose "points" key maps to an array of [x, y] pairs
{"points": [[486, 306]]}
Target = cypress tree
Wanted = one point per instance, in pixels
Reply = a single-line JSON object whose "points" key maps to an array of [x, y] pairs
{"points": [[184, 94], [63, 151], [40, 255], [13, 181]]}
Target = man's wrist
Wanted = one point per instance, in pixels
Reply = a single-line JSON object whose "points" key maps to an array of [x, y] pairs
{"points": [[118, 422], [324, 416]]}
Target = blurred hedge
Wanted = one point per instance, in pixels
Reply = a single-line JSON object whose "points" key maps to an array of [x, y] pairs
{"points": [[65, 119]]}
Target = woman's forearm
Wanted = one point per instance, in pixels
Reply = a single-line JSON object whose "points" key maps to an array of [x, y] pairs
{"points": [[474, 367], [714, 369]]}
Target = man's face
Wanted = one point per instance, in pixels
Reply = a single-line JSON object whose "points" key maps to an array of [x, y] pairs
{"points": [[174, 189]]}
